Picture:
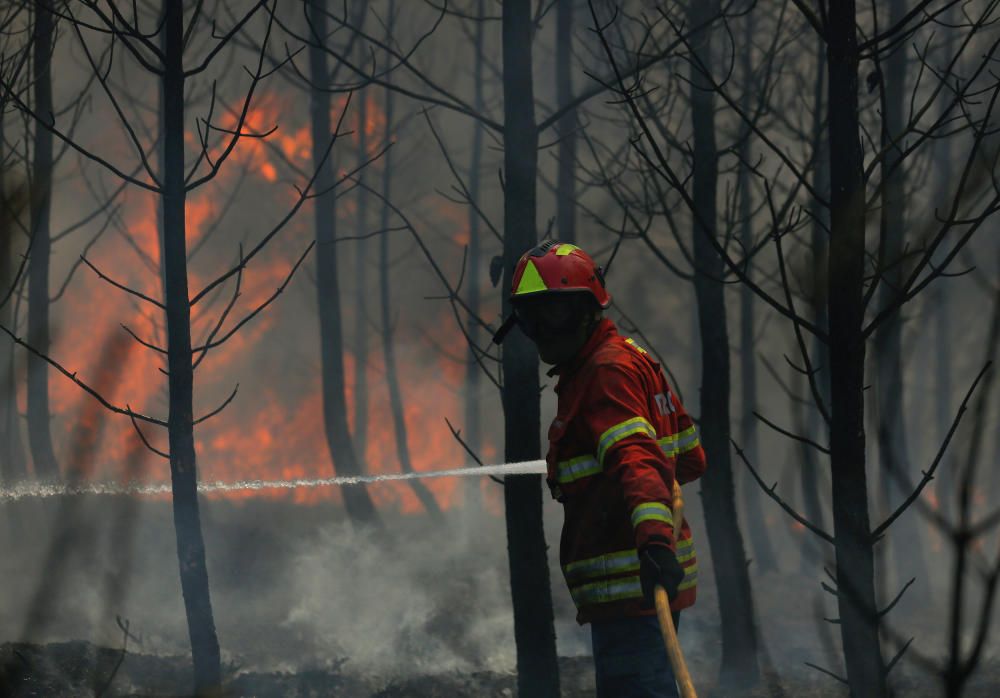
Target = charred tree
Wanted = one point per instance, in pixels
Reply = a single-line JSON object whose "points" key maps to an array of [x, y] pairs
{"points": [[170, 185], [473, 375], [357, 501], [941, 307], [759, 537], [360, 431], [739, 638], [534, 632], [183, 465], [388, 343], [566, 128], [811, 419], [845, 299], [909, 553], [39, 432], [12, 458]]}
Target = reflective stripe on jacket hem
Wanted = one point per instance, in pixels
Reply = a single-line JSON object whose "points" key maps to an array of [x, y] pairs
{"points": [[607, 591], [576, 469], [685, 549], [602, 565], [690, 577]]}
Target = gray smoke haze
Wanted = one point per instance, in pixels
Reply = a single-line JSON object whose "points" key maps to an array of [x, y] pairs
{"points": [[296, 587], [293, 585]]}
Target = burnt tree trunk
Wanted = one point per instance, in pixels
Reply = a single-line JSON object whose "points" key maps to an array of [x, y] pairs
{"points": [[473, 377], [183, 465], [357, 502], [812, 417], [361, 299], [534, 632], [739, 638], [942, 406], [39, 429], [565, 181], [907, 546], [12, 457], [759, 537], [853, 544], [388, 343]]}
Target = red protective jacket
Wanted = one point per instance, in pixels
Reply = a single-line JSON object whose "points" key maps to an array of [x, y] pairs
{"points": [[619, 439]]}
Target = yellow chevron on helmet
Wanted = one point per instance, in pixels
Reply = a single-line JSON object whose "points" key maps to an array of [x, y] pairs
{"points": [[531, 281]]}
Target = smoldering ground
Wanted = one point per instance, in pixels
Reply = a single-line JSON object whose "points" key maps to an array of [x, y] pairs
{"points": [[296, 589], [292, 585]]}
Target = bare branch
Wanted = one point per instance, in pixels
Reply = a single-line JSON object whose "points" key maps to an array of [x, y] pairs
{"points": [[212, 344], [929, 473], [142, 437], [72, 376], [218, 409], [770, 492], [128, 290]]}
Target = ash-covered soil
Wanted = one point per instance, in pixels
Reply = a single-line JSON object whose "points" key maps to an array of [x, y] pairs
{"points": [[81, 670], [306, 606]]}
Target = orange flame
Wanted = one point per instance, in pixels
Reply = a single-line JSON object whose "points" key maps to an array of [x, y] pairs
{"points": [[274, 429]]}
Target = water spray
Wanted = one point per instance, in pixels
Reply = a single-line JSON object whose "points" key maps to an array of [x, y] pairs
{"points": [[41, 491]]}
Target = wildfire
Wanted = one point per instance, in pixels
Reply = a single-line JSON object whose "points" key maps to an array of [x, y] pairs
{"points": [[274, 429]]}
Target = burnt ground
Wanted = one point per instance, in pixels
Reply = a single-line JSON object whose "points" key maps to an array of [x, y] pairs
{"points": [[305, 607], [81, 669]]}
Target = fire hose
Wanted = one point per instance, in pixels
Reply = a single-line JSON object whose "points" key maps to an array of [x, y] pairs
{"points": [[667, 628]]}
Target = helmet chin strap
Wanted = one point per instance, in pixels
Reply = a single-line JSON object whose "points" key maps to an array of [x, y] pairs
{"points": [[505, 328]]}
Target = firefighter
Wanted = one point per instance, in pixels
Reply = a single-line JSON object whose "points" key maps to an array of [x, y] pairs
{"points": [[619, 439]]}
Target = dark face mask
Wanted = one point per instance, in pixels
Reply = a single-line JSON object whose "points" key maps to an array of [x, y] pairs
{"points": [[550, 316]]}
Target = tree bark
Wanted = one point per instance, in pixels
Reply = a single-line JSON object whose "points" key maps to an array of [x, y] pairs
{"points": [[473, 378], [942, 406], [855, 563], [909, 552], [739, 638], [183, 465], [388, 344], [534, 632], [565, 182], [812, 418], [357, 502], [361, 283], [759, 536], [12, 457], [39, 432]]}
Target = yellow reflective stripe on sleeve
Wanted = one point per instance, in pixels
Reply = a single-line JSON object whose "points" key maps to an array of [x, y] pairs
{"points": [[652, 511], [602, 565], [677, 444], [577, 468], [607, 591], [669, 445], [531, 280], [687, 440], [636, 425]]}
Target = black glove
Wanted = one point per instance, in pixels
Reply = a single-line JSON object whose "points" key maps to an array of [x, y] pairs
{"points": [[658, 566]]}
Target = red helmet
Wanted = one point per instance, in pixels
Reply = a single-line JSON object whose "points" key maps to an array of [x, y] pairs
{"points": [[557, 267]]}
